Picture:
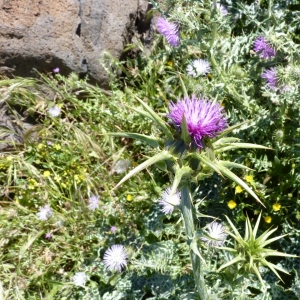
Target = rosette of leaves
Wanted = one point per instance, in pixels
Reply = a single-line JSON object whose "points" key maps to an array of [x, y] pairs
{"points": [[250, 252]]}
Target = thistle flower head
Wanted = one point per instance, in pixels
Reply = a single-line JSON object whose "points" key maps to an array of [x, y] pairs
{"points": [[198, 67], [169, 30], [80, 279], [263, 48], [222, 9], [93, 202], [54, 111], [203, 118], [216, 235], [44, 213], [115, 258], [168, 202], [271, 77]]}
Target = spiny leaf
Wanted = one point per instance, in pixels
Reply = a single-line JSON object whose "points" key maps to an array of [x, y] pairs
{"points": [[155, 117], [153, 142], [152, 160], [226, 172]]}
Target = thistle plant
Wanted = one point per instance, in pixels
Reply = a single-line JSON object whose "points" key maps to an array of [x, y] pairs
{"points": [[250, 252], [190, 153]]}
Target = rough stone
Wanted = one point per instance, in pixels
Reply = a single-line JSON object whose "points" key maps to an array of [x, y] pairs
{"points": [[69, 34]]}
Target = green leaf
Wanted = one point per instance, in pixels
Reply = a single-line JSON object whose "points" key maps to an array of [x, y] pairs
{"points": [[179, 173], [226, 172], [223, 141], [230, 164], [152, 160], [195, 249], [185, 136], [242, 146], [155, 117], [153, 142], [211, 164], [231, 128], [233, 261]]}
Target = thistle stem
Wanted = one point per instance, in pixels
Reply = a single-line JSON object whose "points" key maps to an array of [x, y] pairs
{"points": [[187, 214]]}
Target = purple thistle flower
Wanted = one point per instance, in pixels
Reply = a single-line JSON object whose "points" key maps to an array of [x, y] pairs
{"points": [[48, 236], [113, 229], [168, 201], [169, 30], [271, 78], [115, 258], [263, 48], [203, 118], [93, 202]]}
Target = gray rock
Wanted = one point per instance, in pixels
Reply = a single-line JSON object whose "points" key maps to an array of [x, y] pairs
{"points": [[68, 34]]}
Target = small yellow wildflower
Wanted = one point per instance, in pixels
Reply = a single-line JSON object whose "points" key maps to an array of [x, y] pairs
{"points": [[170, 63], [268, 219], [57, 178], [9, 158], [47, 173], [249, 178], [276, 206], [57, 147], [40, 146], [129, 197], [238, 189], [231, 204]]}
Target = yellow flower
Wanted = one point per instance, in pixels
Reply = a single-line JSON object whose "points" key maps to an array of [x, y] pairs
{"points": [[249, 178], [40, 146], [57, 146], [170, 63], [231, 204], [129, 197], [268, 219], [9, 158], [57, 178], [238, 189], [47, 173], [276, 206]]}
